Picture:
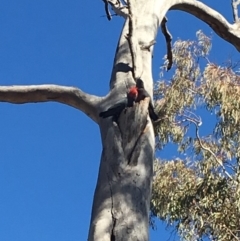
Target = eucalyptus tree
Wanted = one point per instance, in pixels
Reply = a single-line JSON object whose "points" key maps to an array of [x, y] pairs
{"points": [[122, 197], [198, 192]]}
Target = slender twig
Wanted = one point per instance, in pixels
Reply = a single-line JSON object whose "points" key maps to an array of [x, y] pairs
{"points": [[109, 17], [230, 231], [197, 124]]}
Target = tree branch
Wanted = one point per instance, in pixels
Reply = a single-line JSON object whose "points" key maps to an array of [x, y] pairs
{"points": [[197, 124], [43, 93], [117, 6], [109, 17], [235, 4], [227, 31], [168, 38]]}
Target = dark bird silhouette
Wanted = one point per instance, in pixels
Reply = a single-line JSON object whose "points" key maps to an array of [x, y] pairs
{"points": [[118, 107], [135, 94], [142, 94]]}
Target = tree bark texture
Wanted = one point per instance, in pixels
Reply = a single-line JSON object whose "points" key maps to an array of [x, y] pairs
{"points": [[122, 196]]}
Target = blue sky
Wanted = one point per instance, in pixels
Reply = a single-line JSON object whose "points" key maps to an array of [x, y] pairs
{"points": [[49, 153]]}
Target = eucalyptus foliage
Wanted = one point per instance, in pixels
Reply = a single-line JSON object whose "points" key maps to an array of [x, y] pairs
{"points": [[199, 193]]}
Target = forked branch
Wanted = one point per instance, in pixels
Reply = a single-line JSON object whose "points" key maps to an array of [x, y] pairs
{"points": [[44, 93], [227, 31]]}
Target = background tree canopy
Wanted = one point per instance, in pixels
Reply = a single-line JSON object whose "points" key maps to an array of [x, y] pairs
{"points": [[199, 191]]}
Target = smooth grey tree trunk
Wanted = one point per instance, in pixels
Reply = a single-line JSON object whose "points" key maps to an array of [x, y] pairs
{"points": [[122, 197]]}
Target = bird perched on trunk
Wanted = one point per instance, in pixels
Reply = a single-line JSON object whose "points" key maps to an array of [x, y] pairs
{"points": [[117, 108], [142, 94], [135, 94]]}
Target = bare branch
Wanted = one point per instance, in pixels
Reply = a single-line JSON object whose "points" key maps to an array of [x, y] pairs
{"points": [[44, 93], [147, 46], [117, 6], [233, 235], [235, 4], [227, 31], [197, 124], [168, 38], [109, 17]]}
